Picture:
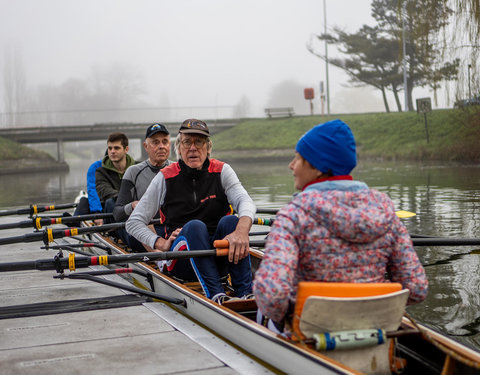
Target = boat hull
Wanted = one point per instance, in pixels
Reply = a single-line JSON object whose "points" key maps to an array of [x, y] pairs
{"points": [[285, 355]]}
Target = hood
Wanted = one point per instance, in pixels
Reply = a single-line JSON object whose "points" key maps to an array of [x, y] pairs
{"points": [[108, 164], [348, 209]]}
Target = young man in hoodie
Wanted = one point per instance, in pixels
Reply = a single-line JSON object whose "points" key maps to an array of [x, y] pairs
{"points": [[109, 176], [334, 230]]}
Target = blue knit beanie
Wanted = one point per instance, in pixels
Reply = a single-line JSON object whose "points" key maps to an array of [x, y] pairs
{"points": [[329, 147]]}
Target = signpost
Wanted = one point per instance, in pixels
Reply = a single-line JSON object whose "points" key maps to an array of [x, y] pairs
{"points": [[309, 94], [424, 105]]}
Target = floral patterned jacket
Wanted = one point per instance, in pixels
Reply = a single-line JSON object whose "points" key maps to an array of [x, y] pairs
{"points": [[337, 231]]}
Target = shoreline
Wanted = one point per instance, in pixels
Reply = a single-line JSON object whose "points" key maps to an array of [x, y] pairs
{"points": [[19, 166]]}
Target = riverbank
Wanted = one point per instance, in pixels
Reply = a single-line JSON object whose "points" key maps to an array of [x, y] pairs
{"points": [[452, 136], [16, 158]]}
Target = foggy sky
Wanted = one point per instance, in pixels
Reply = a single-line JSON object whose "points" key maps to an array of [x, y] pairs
{"points": [[188, 53]]}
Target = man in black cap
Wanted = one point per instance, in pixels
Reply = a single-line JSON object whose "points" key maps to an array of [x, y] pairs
{"points": [[137, 178], [195, 197]]}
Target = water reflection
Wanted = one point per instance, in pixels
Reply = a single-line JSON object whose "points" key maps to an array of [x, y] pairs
{"points": [[445, 198]]}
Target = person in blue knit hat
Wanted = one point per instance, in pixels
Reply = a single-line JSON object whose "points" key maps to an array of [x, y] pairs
{"points": [[336, 230]]}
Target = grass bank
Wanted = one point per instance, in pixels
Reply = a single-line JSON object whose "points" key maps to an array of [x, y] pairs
{"points": [[17, 158], [453, 135]]}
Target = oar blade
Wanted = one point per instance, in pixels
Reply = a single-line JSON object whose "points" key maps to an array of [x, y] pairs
{"points": [[405, 214]]}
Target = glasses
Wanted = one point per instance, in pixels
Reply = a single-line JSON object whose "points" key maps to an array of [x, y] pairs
{"points": [[198, 142]]}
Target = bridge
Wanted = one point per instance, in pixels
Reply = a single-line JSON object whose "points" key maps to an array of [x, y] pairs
{"points": [[72, 133]]}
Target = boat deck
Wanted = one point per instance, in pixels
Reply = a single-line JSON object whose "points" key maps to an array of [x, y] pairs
{"points": [[84, 327]]}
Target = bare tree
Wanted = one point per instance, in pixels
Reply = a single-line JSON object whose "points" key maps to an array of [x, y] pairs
{"points": [[15, 87], [242, 108]]}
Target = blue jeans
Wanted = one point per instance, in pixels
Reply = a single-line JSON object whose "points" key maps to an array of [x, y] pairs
{"points": [[109, 205], [209, 270]]}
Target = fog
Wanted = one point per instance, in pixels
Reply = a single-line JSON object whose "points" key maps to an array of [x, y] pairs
{"points": [[153, 60]]}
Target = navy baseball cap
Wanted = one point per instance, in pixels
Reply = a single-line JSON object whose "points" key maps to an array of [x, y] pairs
{"points": [[156, 128]]}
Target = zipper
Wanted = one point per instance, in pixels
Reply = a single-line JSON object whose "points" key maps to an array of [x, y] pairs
{"points": [[194, 193]]}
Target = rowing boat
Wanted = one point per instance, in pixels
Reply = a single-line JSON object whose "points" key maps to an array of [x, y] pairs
{"points": [[425, 351]]}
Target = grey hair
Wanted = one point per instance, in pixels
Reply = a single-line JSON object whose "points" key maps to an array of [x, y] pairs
{"points": [[176, 146]]}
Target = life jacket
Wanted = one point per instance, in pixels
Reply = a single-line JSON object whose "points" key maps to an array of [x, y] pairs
{"points": [[194, 194]]}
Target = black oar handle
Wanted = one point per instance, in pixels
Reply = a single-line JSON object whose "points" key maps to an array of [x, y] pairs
{"points": [[38, 222], [439, 241], [34, 209], [48, 235], [269, 211]]}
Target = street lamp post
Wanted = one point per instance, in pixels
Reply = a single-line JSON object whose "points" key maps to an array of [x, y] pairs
{"points": [[469, 88], [405, 82], [327, 81]]}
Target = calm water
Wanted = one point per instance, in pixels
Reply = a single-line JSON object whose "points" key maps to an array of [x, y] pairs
{"points": [[446, 199]]}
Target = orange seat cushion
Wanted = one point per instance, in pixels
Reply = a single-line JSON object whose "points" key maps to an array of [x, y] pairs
{"points": [[345, 290]]}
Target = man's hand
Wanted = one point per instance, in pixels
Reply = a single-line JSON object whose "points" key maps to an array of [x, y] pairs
{"points": [[239, 240], [162, 244], [134, 204], [98, 221]]}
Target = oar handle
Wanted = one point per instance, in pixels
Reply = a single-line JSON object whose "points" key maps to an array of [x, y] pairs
{"points": [[39, 222], [34, 209], [18, 224], [220, 244], [29, 237]]}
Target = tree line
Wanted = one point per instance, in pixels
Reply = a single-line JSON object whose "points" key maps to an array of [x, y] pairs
{"points": [[412, 42]]}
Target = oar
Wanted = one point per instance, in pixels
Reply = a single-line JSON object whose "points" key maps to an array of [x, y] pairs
{"points": [[422, 241], [38, 222], [441, 241], [273, 211], [269, 211], [34, 209], [263, 221], [266, 233], [48, 235], [72, 245], [91, 276], [59, 263]]}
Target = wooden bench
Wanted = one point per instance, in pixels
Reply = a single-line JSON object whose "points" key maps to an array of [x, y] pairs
{"points": [[279, 112]]}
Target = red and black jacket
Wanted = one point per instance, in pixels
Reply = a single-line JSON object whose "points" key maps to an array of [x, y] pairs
{"points": [[194, 194]]}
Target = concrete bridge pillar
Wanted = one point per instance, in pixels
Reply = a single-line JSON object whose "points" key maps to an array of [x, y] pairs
{"points": [[60, 151], [144, 153]]}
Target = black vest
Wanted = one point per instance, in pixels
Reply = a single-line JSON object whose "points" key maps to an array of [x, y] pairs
{"points": [[194, 194]]}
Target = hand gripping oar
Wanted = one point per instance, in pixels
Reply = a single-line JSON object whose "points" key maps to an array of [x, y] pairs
{"points": [[34, 209], [38, 222], [60, 263], [49, 235]]}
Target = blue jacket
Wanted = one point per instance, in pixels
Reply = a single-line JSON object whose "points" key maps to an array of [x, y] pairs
{"points": [[93, 199]]}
